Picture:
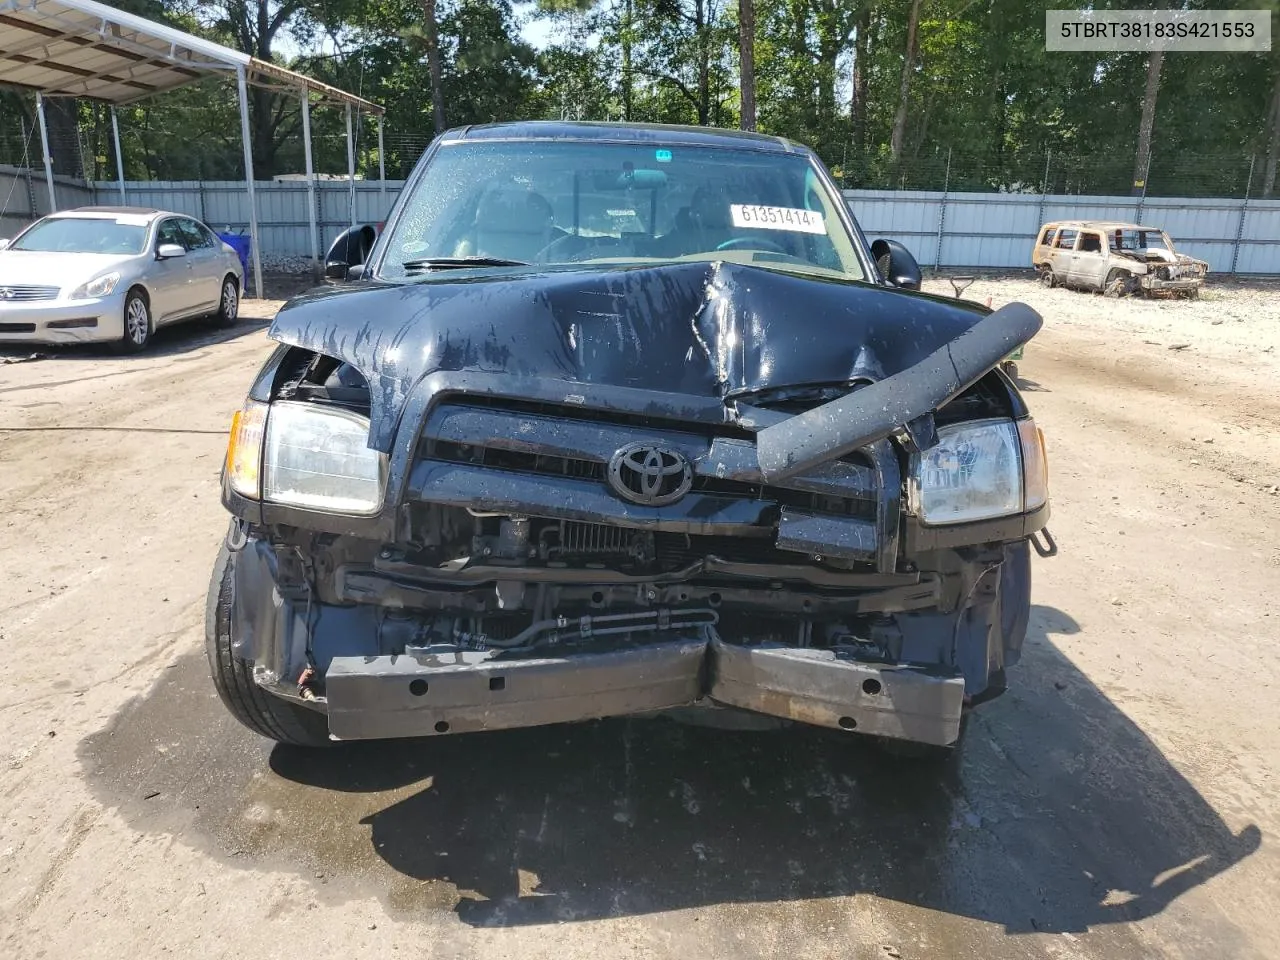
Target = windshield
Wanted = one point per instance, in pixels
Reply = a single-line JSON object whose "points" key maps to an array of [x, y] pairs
{"points": [[84, 235], [579, 202], [1137, 240]]}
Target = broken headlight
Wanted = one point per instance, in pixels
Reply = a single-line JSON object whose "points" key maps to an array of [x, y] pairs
{"points": [[319, 458], [977, 471]]}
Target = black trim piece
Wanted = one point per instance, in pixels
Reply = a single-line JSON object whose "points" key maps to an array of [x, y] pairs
{"points": [[920, 538]]}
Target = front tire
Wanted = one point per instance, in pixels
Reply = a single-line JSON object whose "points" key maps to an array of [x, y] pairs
{"points": [[258, 710], [228, 303], [1118, 284], [137, 323]]}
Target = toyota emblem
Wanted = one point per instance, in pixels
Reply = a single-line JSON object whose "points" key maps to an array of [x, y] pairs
{"points": [[6, 293], [649, 475]]}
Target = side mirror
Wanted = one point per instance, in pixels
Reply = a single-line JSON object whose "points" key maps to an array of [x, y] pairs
{"points": [[896, 264], [348, 252], [340, 271], [167, 251]]}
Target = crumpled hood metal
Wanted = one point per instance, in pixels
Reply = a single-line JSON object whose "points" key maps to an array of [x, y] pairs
{"points": [[713, 329]]}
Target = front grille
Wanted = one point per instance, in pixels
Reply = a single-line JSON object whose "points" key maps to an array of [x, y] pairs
{"points": [[553, 464], [26, 293], [495, 452]]}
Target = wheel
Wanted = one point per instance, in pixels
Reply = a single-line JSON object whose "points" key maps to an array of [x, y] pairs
{"points": [[1011, 368], [137, 323], [258, 710], [1047, 278], [228, 303], [1117, 284]]}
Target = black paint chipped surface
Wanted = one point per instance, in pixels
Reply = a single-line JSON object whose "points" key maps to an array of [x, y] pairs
{"points": [[699, 329]]}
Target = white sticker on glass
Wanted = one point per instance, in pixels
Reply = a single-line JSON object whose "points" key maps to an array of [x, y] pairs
{"points": [[793, 219]]}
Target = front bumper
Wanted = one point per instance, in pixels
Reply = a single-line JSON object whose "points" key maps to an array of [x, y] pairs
{"points": [[63, 321], [427, 695], [1182, 283]]}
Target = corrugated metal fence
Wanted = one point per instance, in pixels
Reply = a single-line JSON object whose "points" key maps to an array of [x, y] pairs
{"points": [[24, 196], [997, 229], [991, 230], [282, 207]]}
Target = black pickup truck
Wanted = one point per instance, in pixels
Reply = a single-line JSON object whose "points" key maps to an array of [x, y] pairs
{"points": [[619, 420]]}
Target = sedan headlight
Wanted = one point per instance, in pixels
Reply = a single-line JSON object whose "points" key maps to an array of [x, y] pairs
{"points": [[980, 470], [319, 457], [101, 287]]}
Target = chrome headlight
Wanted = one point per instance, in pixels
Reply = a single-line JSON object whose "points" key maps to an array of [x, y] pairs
{"points": [[311, 456], [319, 457], [980, 470], [103, 286]]}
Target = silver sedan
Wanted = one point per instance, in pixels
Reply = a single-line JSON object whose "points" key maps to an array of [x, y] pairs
{"points": [[114, 274]]}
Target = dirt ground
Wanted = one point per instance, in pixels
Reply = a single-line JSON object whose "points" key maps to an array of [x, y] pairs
{"points": [[1119, 802]]}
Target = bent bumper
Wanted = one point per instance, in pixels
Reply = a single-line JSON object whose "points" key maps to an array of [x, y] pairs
{"points": [[1181, 283], [408, 696], [63, 321]]}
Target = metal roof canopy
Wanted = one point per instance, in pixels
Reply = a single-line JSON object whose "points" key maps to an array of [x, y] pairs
{"points": [[81, 48]]}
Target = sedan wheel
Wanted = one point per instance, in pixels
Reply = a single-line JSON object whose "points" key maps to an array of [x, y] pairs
{"points": [[228, 303], [137, 323]]}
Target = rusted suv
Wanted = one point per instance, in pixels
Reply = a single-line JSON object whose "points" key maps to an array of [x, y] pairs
{"points": [[1117, 259]]}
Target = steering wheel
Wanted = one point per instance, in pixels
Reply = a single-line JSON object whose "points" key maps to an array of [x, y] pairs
{"points": [[752, 243], [567, 247]]}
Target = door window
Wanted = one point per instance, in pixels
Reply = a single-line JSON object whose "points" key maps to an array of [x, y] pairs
{"points": [[193, 236], [1091, 243], [169, 233], [1066, 240]]}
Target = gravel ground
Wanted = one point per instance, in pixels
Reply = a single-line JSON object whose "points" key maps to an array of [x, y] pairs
{"points": [[1233, 319]]}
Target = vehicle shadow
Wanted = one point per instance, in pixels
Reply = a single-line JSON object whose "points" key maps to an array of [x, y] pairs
{"points": [[1060, 814], [1027, 385], [167, 341]]}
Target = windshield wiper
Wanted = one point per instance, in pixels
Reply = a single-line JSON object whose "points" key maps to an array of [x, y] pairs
{"points": [[459, 263]]}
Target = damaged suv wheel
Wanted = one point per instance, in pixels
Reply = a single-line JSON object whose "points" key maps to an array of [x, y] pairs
{"points": [[262, 713]]}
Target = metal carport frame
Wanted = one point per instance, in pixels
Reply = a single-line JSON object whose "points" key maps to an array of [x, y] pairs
{"points": [[80, 48]]}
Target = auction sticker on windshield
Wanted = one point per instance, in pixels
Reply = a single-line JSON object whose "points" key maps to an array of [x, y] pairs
{"points": [[777, 218]]}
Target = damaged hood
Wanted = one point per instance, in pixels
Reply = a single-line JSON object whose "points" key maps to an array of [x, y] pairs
{"points": [[713, 329]]}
